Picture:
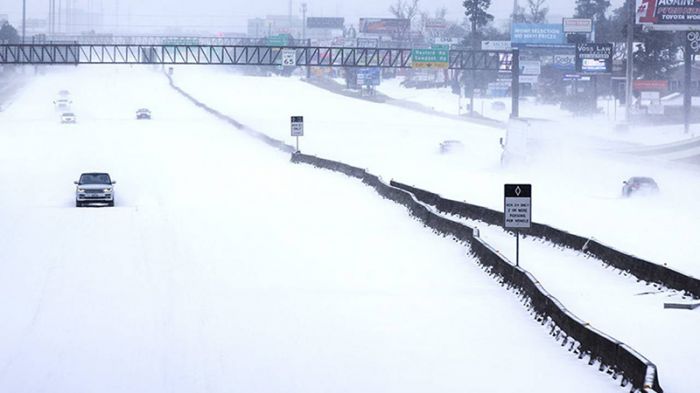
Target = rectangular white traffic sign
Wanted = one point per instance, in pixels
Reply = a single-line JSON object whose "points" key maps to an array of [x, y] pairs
{"points": [[289, 57], [517, 208], [297, 125]]}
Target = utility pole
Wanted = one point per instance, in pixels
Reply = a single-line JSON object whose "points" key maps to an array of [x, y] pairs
{"points": [[24, 20], [303, 21], [303, 37], [629, 77]]}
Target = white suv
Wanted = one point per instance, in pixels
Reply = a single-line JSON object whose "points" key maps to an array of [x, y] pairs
{"points": [[94, 188]]}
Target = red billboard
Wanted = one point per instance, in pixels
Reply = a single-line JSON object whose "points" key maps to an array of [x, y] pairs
{"points": [[679, 14], [650, 85], [384, 26]]}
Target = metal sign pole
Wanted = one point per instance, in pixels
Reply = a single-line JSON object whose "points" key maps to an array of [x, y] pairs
{"points": [[297, 144], [517, 248], [687, 98], [517, 211]]}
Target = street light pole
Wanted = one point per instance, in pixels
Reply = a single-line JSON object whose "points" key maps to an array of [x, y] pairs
{"points": [[24, 20], [630, 67]]}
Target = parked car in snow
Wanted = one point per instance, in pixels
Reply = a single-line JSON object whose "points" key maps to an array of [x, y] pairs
{"points": [[143, 114], [498, 106], [68, 118], [63, 93], [639, 186], [447, 147], [94, 187]]}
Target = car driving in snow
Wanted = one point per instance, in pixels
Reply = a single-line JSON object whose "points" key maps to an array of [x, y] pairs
{"points": [[63, 93], [62, 103], [143, 114], [68, 118], [639, 186], [94, 187]]}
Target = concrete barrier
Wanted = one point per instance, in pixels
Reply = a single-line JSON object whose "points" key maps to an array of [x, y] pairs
{"points": [[640, 268], [611, 356]]}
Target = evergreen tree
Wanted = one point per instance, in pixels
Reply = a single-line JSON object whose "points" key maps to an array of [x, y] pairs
{"points": [[8, 34], [475, 10], [592, 9]]}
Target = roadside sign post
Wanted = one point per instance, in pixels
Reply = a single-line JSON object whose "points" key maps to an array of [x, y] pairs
{"points": [[517, 211], [297, 128]]}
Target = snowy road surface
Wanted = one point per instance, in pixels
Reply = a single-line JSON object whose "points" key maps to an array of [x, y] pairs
{"points": [[226, 268], [573, 189]]}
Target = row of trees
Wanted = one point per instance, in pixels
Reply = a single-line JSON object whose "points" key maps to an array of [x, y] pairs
{"points": [[8, 34]]}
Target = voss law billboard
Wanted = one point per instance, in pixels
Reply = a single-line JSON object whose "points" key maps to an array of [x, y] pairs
{"points": [[669, 14]]}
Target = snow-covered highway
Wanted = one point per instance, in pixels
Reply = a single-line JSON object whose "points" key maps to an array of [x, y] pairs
{"points": [[226, 268]]}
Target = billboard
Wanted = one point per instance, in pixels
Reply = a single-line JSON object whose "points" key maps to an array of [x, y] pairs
{"points": [[536, 34], [577, 25], [650, 85], [668, 13], [530, 67], [495, 45], [368, 76], [384, 26], [325, 23], [564, 62], [594, 58]]}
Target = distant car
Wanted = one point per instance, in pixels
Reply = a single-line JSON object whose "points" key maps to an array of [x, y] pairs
{"points": [[68, 118], [447, 147], [62, 103], [143, 114], [498, 106], [63, 93], [639, 186], [94, 187]]}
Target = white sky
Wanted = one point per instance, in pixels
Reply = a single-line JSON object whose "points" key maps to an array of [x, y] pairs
{"points": [[227, 15]]}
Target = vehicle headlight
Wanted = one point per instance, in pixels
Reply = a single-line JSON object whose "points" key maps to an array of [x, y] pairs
{"points": [[81, 190], [107, 190]]}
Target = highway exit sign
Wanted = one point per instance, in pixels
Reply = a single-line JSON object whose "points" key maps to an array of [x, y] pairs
{"points": [[430, 58]]}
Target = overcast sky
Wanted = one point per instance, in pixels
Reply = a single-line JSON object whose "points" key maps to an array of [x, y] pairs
{"points": [[231, 15]]}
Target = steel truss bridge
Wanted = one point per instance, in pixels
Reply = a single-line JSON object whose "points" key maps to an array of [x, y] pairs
{"points": [[258, 55], [106, 39]]}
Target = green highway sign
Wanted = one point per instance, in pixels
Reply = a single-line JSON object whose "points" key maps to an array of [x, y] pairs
{"points": [[430, 58], [278, 40]]}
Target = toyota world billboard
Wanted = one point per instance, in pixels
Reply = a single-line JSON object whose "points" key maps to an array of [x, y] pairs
{"points": [[669, 14]]}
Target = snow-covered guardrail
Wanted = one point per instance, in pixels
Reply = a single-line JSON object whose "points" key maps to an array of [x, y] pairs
{"points": [[640, 268], [611, 356]]}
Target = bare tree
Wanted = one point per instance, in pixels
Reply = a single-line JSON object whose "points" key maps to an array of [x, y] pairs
{"points": [[538, 11], [405, 9]]}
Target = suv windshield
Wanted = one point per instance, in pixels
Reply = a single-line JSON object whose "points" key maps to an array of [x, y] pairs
{"points": [[95, 178]]}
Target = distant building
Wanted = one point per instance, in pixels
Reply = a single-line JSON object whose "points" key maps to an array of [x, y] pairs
{"points": [[274, 25]]}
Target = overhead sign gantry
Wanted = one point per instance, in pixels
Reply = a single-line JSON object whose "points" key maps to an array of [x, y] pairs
{"points": [[256, 55]]}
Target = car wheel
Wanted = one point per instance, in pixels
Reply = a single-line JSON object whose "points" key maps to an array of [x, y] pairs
{"points": [[78, 204], [110, 204]]}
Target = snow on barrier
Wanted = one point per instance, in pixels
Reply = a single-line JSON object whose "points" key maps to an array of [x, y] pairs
{"points": [[255, 134], [611, 356], [640, 268]]}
